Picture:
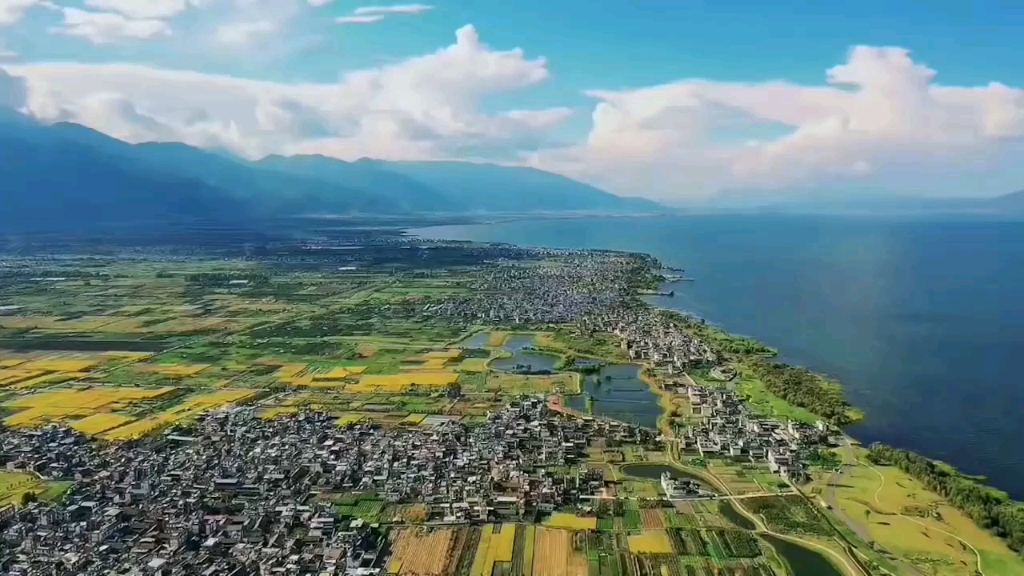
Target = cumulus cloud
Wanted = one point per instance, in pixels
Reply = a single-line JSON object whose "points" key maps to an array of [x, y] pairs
{"points": [[367, 19], [393, 9], [107, 27], [878, 119], [424, 107], [243, 33], [140, 9], [12, 11], [876, 109]]}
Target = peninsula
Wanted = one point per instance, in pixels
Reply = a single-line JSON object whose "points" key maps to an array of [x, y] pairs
{"points": [[369, 404]]}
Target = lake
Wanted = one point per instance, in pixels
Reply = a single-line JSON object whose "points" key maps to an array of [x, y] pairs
{"points": [[920, 318]]}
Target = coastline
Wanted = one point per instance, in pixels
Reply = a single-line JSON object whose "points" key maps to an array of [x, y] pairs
{"points": [[1010, 532]]}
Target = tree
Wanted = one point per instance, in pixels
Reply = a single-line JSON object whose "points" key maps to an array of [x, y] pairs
{"points": [[28, 498]]}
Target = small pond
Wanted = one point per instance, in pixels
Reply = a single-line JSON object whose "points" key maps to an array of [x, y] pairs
{"points": [[478, 340], [523, 360], [654, 471], [802, 561], [619, 393]]}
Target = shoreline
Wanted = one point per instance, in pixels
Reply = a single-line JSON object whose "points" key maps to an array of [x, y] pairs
{"points": [[1000, 520]]}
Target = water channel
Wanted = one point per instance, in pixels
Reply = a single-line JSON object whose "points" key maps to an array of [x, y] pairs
{"points": [[802, 561]]}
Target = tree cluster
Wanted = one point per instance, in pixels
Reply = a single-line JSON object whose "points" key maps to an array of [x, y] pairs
{"points": [[989, 508], [801, 387]]}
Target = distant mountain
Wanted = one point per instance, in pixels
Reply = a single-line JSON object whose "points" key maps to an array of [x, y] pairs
{"points": [[493, 188], [68, 177], [399, 192], [60, 179], [1010, 203]]}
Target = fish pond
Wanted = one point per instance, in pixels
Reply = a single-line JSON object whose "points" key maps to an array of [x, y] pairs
{"points": [[619, 393], [802, 561], [524, 360]]}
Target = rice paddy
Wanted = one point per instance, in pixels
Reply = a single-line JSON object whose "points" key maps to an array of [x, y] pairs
{"points": [[570, 521]]}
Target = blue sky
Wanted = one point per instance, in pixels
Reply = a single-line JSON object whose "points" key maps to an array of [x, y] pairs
{"points": [[648, 58]]}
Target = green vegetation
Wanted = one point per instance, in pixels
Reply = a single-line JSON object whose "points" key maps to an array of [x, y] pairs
{"points": [[989, 508], [805, 389], [789, 515]]}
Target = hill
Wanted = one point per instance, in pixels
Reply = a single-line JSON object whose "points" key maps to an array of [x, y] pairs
{"points": [[69, 177]]}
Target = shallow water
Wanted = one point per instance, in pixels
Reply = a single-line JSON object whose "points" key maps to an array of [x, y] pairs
{"points": [[803, 561], [619, 393]]}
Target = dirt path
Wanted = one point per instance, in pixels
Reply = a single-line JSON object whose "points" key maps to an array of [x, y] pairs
{"points": [[881, 484]]}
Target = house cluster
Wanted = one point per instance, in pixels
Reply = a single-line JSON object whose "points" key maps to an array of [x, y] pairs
{"points": [[581, 283], [649, 336], [236, 494], [727, 429]]}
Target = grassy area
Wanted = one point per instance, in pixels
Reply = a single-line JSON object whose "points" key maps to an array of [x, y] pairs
{"points": [[512, 384], [916, 525], [15, 484], [762, 402]]}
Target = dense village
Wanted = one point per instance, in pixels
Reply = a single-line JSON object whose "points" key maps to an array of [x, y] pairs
{"points": [[233, 492]]}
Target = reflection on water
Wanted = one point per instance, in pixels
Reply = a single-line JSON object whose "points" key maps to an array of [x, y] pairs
{"points": [[619, 393], [654, 471], [802, 561]]}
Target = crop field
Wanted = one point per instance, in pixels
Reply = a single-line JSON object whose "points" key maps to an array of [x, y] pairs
{"points": [[651, 519], [554, 554], [190, 407], [418, 552], [570, 521], [67, 404], [650, 542], [98, 423], [402, 382], [506, 383], [497, 544], [789, 515], [174, 370]]}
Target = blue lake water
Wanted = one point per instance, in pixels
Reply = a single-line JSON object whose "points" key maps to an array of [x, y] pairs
{"points": [[921, 319], [619, 393]]}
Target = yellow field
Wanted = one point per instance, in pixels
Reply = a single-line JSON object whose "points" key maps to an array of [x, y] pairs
{"points": [[401, 382], [14, 484], [175, 370], [67, 403], [570, 521], [496, 339], [350, 418], [192, 406], [414, 419], [650, 542], [10, 376], [902, 516], [60, 365], [418, 553], [10, 362], [339, 373], [274, 411], [102, 422], [494, 547], [554, 556], [472, 365]]}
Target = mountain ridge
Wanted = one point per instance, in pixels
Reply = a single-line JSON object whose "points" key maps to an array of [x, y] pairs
{"points": [[117, 181]]}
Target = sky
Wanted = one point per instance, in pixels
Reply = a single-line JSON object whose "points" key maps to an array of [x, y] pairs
{"points": [[675, 100]]}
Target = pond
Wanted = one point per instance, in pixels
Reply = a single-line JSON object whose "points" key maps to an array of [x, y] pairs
{"points": [[523, 360], [654, 471], [478, 340], [516, 342], [729, 512], [619, 393], [802, 561]]}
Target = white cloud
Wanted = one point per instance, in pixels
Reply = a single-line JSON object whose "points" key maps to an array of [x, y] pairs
{"points": [[12, 11], [359, 19], [242, 33], [879, 119], [877, 110], [140, 9], [393, 9], [424, 107], [107, 27], [318, 3]]}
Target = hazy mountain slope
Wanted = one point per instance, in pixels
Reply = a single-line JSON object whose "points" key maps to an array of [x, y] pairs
{"points": [[55, 180], [1010, 203], [399, 192], [489, 187]]}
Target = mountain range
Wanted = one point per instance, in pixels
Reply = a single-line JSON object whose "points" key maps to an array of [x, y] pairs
{"points": [[64, 177]]}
